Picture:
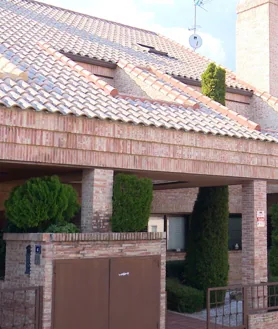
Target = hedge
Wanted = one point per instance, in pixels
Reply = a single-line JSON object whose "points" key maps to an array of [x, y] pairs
{"points": [[132, 199], [207, 256], [273, 292], [273, 256], [183, 299], [175, 269]]}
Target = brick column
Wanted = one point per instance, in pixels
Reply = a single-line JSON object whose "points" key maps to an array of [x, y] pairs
{"points": [[97, 191], [254, 238]]}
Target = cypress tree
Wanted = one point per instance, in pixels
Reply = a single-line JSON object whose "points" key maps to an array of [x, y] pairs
{"points": [[207, 261], [273, 257]]}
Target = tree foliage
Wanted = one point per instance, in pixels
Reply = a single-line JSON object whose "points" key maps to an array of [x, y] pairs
{"points": [[214, 83], [207, 260], [273, 257], [132, 198], [40, 202]]}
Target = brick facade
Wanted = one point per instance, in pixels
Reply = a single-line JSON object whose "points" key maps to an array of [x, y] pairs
{"points": [[254, 239], [263, 321], [76, 246], [36, 137], [97, 191], [257, 39], [181, 201]]}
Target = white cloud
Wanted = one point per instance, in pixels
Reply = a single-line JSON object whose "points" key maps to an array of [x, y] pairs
{"points": [[159, 2], [211, 48], [129, 12]]}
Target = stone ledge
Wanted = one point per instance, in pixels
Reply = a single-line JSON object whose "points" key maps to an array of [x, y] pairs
{"points": [[53, 237]]}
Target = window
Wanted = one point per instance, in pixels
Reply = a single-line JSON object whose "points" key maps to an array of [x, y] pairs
{"points": [[234, 231], [154, 228], [177, 227], [176, 233]]}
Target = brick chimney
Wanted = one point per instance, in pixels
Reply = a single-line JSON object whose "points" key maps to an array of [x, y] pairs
{"points": [[257, 44]]}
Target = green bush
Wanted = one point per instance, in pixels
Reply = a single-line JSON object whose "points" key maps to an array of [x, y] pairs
{"points": [[40, 202], [66, 228], [175, 269], [273, 292], [2, 256], [132, 198], [183, 299], [207, 256], [273, 256], [214, 83]]}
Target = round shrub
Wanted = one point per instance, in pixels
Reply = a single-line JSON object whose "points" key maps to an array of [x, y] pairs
{"points": [[40, 202], [183, 299], [132, 199]]}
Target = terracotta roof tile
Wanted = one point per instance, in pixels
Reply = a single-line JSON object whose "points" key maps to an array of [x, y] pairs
{"points": [[33, 34], [76, 33]]}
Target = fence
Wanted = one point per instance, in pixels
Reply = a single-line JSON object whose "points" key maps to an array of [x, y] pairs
{"points": [[229, 307], [21, 308]]}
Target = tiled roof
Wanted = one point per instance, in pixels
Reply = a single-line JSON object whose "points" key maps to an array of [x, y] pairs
{"points": [[28, 21], [181, 93], [33, 75], [57, 84]]}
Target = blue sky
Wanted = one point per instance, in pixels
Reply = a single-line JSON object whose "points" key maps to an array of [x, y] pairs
{"points": [[171, 18]]}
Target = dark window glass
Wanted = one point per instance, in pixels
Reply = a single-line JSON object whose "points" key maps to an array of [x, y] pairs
{"points": [[235, 232]]}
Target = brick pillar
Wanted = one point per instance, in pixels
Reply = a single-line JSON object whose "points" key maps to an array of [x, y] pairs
{"points": [[254, 238], [97, 190]]}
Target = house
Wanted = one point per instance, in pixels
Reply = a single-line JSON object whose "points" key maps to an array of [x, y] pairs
{"points": [[86, 98]]}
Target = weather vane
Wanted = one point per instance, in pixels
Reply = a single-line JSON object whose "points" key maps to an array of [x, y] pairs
{"points": [[195, 40]]}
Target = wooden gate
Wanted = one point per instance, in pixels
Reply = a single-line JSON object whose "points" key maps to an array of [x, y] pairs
{"points": [[116, 293]]}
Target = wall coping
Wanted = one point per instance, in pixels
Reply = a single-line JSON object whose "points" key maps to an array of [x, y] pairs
{"points": [[67, 237]]}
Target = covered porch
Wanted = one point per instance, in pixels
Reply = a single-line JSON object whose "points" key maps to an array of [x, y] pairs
{"points": [[88, 154], [95, 188]]}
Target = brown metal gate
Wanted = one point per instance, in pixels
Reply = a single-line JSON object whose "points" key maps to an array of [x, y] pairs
{"points": [[230, 307], [81, 294], [116, 293], [21, 308], [135, 293]]}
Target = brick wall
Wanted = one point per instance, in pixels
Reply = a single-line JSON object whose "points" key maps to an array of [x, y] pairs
{"points": [[254, 238], [76, 246], [235, 267], [253, 38], [263, 321], [76, 141], [182, 200], [97, 191]]}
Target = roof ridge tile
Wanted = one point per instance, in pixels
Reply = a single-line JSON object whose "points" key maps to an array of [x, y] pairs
{"points": [[157, 84], [108, 89], [206, 100], [159, 101]]}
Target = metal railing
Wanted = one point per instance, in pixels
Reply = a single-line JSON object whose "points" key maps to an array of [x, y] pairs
{"points": [[21, 308], [229, 307]]}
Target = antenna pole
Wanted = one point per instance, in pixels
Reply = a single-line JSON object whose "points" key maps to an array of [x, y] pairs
{"points": [[195, 19]]}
